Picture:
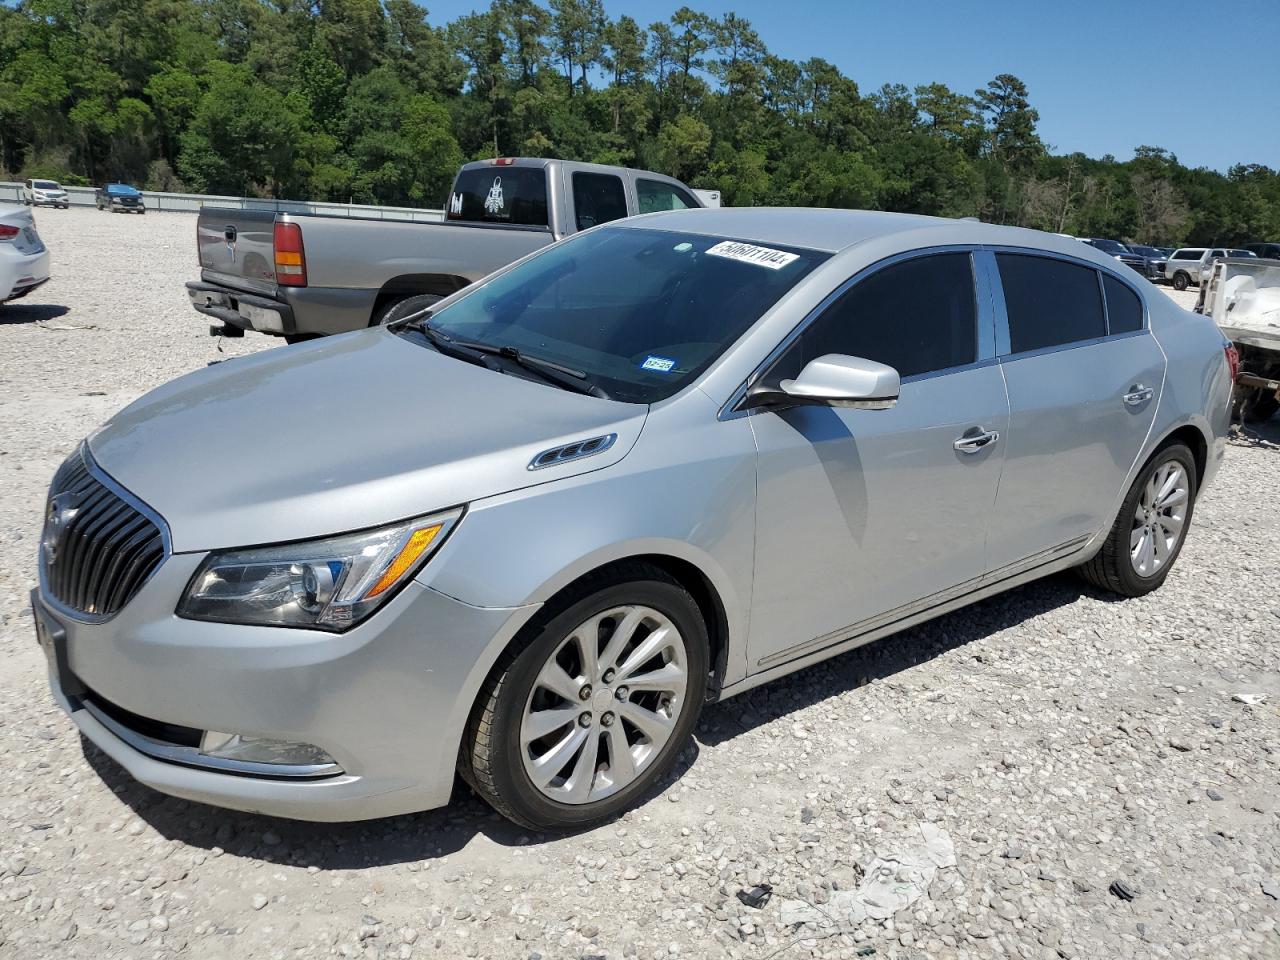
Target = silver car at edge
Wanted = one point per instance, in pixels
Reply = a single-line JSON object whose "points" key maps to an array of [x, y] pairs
{"points": [[526, 536]]}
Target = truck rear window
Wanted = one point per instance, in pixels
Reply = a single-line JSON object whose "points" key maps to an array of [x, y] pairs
{"points": [[500, 195]]}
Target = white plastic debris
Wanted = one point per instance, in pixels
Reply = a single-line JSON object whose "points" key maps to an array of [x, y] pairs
{"points": [[891, 882], [1251, 699]]}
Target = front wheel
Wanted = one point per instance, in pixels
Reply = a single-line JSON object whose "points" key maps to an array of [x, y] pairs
{"points": [[576, 725], [1180, 281], [1151, 527]]}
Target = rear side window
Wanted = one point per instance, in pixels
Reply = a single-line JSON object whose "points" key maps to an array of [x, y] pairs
{"points": [[917, 316], [500, 195], [598, 198], [1188, 254], [1049, 302], [654, 195], [1124, 308]]}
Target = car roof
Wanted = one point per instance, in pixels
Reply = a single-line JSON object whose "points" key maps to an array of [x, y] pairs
{"points": [[831, 231]]}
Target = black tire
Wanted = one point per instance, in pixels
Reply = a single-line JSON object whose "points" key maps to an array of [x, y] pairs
{"points": [[1181, 281], [1111, 568], [405, 307], [490, 759], [292, 338]]}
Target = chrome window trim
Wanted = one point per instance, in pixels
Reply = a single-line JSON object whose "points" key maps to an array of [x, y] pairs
{"points": [[1004, 347], [730, 411], [166, 543]]}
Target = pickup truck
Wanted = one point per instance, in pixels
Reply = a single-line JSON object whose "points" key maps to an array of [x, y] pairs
{"points": [[299, 276], [1242, 295]]}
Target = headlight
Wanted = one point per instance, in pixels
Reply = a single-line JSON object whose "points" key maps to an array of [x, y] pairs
{"points": [[327, 584]]}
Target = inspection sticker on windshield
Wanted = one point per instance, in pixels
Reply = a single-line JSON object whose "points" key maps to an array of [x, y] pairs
{"points": [[658, 364], [747, 253]]}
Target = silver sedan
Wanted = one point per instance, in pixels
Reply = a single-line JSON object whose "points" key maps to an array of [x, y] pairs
{"points": [[525, 534]]}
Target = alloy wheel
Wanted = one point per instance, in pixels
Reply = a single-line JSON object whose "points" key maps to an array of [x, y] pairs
{"points": [[604, 704], [1159, 519]]}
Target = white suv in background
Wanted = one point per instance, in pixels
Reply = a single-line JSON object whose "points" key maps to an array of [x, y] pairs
{"points": [[44, 193], [1183, 268]]}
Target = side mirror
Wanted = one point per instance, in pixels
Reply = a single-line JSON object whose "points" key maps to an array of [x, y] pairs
{"points": [[833, 380]]}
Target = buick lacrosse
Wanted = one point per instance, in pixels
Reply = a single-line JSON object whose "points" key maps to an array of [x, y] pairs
{"points": [[525, 533]]}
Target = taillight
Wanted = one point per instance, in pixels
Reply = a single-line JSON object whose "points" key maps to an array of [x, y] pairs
{"points": [[7, 232], [291, 260], [1233, 360]]}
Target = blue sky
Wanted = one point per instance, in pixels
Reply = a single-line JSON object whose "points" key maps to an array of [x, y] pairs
{"points": [[1106, 75]]}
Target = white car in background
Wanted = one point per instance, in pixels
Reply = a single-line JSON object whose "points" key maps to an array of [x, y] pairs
{"points": [[24, 259], [45, 193]]}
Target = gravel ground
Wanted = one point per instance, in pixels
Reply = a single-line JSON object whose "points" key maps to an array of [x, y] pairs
{"points": [[1104, 794]]}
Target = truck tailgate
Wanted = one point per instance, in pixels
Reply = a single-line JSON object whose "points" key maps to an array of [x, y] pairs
{"points": [[236, 248]]}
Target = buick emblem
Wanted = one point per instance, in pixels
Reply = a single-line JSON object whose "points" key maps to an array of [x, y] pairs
{"points": [[62, 511]]}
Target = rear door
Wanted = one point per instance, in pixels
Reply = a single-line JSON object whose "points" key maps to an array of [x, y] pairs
{"points": [[1084, 377]]}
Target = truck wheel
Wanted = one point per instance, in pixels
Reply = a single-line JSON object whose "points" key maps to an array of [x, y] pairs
{"points": [[1151, 527], [405, 307], [1180, 280], [578, 723]]}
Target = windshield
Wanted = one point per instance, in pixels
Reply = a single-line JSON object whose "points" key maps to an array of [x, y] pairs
{"points": [[500, 195], [44, 185], [641, 312], [1145, 251], [121, 188], [1110, 246]]}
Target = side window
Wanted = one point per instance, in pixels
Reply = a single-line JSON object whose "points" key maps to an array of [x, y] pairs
{"points": [[1124, 308], [598, 198], [1049, 302], [653, 195], [917, 316]]}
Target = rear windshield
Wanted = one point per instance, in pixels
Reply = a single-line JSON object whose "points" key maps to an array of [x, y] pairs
{"points": [[500, 195], [641, 312]]}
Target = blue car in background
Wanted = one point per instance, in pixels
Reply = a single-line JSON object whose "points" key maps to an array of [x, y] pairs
{"points": [[119, 198]]}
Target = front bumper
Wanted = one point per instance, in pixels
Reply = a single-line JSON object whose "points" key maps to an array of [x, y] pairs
{"points": [[388, 700]]}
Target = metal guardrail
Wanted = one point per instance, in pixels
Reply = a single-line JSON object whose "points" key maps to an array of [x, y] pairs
{"points": [[192, 202]]}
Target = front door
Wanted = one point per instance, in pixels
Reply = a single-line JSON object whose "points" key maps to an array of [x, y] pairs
{"points": [[864, 513]]}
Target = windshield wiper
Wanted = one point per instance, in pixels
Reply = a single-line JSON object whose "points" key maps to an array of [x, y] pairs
{"points": [[567, 377], [477, 352]]}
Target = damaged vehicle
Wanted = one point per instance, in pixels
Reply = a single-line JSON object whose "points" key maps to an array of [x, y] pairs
{"points": [[1242, 296], [549, 518]]}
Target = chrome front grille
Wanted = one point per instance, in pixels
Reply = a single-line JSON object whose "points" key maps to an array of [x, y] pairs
{"points": [[97, 549]]}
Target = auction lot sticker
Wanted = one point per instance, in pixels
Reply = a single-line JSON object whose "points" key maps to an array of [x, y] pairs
{"points": [[748, 253]]}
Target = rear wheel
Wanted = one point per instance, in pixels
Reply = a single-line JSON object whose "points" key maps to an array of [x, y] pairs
{"points": [[407, 307], [1181, 280], [1151, 527], [577, 724], [1259, 406]]}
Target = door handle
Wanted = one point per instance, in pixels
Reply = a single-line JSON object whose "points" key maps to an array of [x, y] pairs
{"points": [[1138, 394], [972, 442]]}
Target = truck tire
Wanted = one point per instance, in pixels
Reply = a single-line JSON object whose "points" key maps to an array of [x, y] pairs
{"points": [[405, 307], [1181, 280]]}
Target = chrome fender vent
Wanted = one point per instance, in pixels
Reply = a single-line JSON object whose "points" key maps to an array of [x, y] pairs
{"points": [[572, 451]]}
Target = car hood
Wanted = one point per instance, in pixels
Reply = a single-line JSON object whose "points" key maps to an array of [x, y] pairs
{"points": [[341, 434]]}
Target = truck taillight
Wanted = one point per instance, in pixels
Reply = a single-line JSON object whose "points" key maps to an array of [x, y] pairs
{"points": [[291, 259], [1233, 360]]}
